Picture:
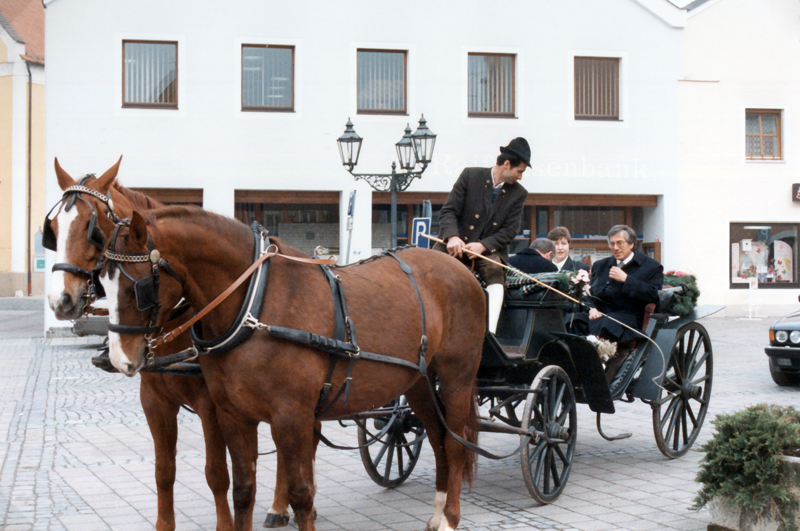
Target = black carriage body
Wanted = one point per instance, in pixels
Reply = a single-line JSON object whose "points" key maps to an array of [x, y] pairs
{"points": [[530, 336]]}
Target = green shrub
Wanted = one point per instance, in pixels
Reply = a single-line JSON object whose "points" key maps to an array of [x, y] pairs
{"points": [[740, 464]]}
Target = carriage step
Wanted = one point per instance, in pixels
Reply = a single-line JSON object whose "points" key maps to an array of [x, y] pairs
{"points": [[610, 437]]}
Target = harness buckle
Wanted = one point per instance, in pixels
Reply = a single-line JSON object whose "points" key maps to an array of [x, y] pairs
{"points": [[252, 322]]}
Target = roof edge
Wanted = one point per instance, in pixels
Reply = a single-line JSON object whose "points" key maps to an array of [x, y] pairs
{"points": [[698, 6], [6, 25], [668, 12]]}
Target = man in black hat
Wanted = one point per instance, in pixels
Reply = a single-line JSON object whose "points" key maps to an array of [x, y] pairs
{"points": [[482, 214]]}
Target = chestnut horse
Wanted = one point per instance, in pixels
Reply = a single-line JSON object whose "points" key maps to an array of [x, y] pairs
{"points": [[275, 380], [161, 395]]}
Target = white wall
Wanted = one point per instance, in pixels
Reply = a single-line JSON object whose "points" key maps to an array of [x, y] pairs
{"points": [[208, 142], [740, 54]]}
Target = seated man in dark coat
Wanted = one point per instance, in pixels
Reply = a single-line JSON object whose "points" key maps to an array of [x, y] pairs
{"points": [[622, 285], [538, 258]]}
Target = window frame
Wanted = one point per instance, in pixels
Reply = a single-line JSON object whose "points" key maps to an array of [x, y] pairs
{"points": [[394, 112], [779, 135], [782, 227], [490, 114], [258, 108], [617, 61], [154, 105]]}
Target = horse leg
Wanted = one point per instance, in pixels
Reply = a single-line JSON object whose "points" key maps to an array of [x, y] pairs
{"points": [[278, 514], [216, 462], [419, 398], [461, 414], [241, 438], [296, 445], [162, 419]]}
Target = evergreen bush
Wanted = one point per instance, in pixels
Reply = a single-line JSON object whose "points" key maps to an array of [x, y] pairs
{"points": [[740, 465]]}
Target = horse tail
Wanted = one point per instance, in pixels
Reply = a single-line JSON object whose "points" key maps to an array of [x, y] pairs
{"points": [[471, 431]]}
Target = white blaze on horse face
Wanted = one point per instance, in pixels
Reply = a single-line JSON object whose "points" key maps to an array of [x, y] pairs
{"points": [[57, 280], [118, 357]]}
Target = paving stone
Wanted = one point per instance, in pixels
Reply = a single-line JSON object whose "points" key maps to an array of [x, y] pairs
{"points": [[76, 453]]}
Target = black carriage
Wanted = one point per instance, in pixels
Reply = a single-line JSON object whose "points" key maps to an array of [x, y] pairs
{"points": [[532, 376]]}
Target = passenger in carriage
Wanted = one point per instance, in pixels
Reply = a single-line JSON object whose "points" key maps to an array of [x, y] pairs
{"points": [[482, 214], [560, 236], [621, 286], [536, 259]]}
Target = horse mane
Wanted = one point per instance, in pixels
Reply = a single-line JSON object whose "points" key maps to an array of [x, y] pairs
{"points": [[226, 227], [139, 200]]}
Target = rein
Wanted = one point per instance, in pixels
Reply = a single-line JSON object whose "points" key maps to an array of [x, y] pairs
{"points": [[656, 379], [162, 339]]}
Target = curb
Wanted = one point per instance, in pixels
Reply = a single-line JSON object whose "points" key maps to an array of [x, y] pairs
{"points": [[22, 303]]}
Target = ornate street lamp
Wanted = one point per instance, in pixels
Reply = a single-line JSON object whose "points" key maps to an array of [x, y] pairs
{"points": [[412, 149]]}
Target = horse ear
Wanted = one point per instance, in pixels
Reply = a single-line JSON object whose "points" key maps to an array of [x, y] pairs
{"points": [[105, 180], [138, 229], [64, 180]]}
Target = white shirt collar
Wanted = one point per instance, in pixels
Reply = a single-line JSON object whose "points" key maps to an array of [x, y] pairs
{"points": [[626, 261], [501, 182], [560, 264]]}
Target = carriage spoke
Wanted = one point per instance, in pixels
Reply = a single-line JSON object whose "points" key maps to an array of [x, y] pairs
{"points": [[677, 433], [539, 458], [670, 409], [689, 412], [388, 467], [554, 471], [379, 457], [698, 365], [671, 417], [561, 456], [400, 456], [558, 401], [548, 460]]}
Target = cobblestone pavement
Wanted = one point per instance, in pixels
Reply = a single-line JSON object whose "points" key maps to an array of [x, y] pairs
{"points": [[76, 453]]}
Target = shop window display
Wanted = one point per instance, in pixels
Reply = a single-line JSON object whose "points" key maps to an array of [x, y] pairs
{"points": [[766, 252]]}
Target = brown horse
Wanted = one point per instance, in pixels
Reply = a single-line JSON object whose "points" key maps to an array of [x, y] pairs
{"points": [[278, 381], [161, 395]]}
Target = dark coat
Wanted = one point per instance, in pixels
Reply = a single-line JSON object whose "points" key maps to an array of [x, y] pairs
{"points": [[571, 266], [624, 301], [530, 261], [469, 213]]}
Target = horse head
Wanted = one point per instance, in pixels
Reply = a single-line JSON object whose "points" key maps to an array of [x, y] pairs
{"points": [[77, 232], [139, 297]]}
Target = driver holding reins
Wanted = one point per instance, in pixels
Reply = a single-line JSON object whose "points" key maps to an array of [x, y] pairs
{"points": [[482, 214]]}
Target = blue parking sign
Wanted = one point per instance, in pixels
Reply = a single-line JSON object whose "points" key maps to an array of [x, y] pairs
{"points": [[421, 226]]}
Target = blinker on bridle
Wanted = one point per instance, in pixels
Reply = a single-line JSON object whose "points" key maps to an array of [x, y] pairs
{"points": [[94, 235], [145, 289]]}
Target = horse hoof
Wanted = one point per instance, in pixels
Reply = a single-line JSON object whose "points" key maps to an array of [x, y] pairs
{"points": [[315, 516], [276, 520]]}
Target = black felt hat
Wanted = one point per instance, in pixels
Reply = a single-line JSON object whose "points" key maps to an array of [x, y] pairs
{"points": [[519, 147]]}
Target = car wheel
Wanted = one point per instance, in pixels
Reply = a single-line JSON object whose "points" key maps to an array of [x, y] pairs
{"points": [[782, 378]]}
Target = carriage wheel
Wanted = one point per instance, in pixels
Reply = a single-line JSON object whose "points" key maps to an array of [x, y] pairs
{"points": [[682, 403], [552, 413], [387, 462]]}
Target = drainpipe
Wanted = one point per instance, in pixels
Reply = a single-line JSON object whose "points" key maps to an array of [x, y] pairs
{"points": [[30, 180]]}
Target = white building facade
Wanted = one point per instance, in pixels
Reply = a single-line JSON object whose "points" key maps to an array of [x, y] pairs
{"points": [[238, 108], [739, 203]]}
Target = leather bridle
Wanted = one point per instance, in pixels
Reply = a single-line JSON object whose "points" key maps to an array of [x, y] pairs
{"points": [[145, 289], [93, 235]]}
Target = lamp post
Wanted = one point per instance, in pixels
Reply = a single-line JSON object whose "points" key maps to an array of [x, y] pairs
{"points": [[412, 149]]}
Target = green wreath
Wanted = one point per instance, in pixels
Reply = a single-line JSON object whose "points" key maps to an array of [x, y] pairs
{"points": [[685, 303]]}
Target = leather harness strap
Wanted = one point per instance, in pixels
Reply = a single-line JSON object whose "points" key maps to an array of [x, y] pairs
{"points": [[172, 334]]}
